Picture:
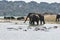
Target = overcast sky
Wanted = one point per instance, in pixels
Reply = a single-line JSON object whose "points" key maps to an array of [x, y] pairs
{"points": [[49, 1]]}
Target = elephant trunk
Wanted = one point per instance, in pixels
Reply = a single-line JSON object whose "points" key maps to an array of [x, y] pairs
{"points": [[26, 19]]}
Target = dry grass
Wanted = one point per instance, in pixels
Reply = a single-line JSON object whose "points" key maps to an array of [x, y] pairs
{"points": [[50, 19]]}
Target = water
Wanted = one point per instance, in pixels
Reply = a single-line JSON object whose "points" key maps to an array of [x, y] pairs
{"points": [[18, 30], [17, 25]]}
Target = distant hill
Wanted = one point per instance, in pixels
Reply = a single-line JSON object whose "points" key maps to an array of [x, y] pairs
{"points": [[21, 8]]}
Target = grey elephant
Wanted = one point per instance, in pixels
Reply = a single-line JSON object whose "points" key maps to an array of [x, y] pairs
{"points": [[35, 17], [32, 18]]}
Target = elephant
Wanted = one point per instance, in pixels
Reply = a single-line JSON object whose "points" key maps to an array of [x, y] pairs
{"points": [[9, 17], [41, 18], [12, 17], [57, 17], [19, 18], [32, 18], [6, 17], [36, 17]]}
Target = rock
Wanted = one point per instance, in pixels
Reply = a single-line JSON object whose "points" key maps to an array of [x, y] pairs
{"points": [[55, 27], [49, 27], [15, 29], [16, 23], [37, 28], [45, 27], [29, 28], [42, 29], [25, 30], [10, 28], [20, 28]]}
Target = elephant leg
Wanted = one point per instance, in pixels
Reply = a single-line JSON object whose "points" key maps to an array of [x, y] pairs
{"points": [[37, 22], [30, 22], [40, 22], [58, 19], [43, 22], [33, 22]]}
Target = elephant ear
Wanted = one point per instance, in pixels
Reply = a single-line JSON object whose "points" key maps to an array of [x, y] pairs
{"points": [[31, 14], [37, 15]]}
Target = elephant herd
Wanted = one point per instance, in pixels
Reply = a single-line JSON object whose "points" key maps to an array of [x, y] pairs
{"points": [[34, 18], [18, 18]]}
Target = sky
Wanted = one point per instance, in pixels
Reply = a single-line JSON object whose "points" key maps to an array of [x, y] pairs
{"points": [[49, 1]]}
